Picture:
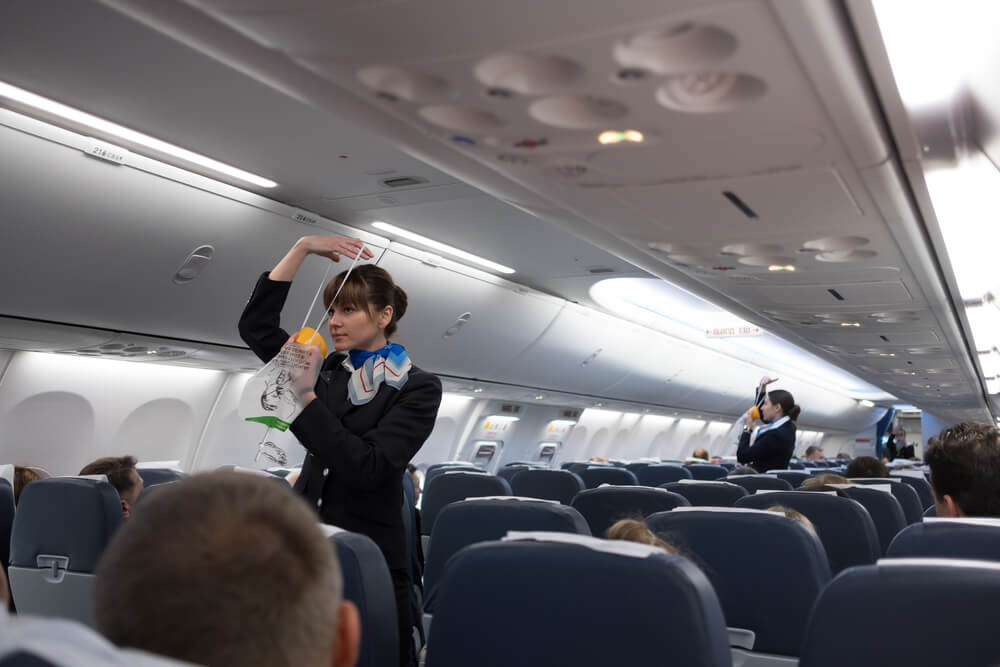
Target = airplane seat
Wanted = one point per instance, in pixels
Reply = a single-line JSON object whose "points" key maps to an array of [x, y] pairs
{"points": [[558, 485], [634, 468], [758, 551], [579, 466], [604, 506], [907, 496], [154, 476], [705, 493], [754, 483], [662, 473], [930, 512], [728, 465], [439, 469], [920, 485], [707, 471], [950, 603], [60, 530], [844, 526], [368, 584], [482, 520], [807, 464], [6, 520], [884, 510], [793, 477], [643, 606], [796, 465], [594, 476], [511, 471], [972, 537], [414, 552], [454, 485]]}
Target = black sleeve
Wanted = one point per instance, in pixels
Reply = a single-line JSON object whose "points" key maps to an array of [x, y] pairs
{"points": [[368, 460], [260, 323], [770, 444]]}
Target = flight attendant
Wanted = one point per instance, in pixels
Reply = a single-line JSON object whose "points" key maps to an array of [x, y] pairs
{"points": [[367, 409], [775, 442]]}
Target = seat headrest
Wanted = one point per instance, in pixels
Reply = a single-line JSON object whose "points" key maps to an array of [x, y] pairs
{"points": [[65, 516]]}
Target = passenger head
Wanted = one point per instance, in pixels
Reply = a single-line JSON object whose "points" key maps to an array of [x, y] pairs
{"points": [[743, 470], [121, 473], [634, 530], [700, 453], [866, 466], [598, 459], [24, 476], [965, 470], [843, 455], [226, 568], [823, 482], [814, 453], [793, 514], [367, 309], [777, 404]]}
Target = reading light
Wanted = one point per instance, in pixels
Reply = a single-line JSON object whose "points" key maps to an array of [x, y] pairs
{"points": [[865, 403], [502, 418], [618, 137], [781, 267], [442, 247], [850, 324], [477, 390], [562, 422], [76, 116], [539, 397]]}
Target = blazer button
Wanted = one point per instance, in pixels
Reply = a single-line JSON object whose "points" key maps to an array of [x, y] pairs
{"points": [[326, 471], [319, 503]]}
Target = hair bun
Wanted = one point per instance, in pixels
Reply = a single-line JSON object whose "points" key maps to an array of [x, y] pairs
{"points": [[400, 302], [794, 413]]}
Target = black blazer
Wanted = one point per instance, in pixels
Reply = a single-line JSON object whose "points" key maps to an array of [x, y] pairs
{"points": [[772, 450], [357, 455]]}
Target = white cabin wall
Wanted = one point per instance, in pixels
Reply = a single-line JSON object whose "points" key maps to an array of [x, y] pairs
{"points": [[61, 412], [453, 417]]}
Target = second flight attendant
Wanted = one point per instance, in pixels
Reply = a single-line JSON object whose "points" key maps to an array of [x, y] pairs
{"points": [[774, 445], [367, 409]]}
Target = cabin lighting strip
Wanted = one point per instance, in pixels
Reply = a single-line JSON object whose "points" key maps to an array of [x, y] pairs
{"points": [[46, 105], [441, 247]]}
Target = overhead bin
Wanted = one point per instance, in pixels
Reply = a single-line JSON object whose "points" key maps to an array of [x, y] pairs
{"points": [[463, 322]]}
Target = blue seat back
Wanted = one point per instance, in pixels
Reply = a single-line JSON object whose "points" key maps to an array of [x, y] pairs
{"points": [[706, 471], [471, 521], [776, 554], [455, 485], [438, 469], [844, 526], [884, 510], [950, 605], [796, 465], [753, 483], [604, 506], [508, 472], [580, 466], [6, 520], [921, 486], [793, 477], [705, 493], [593, 477], [558, 485], [368, 584], [930, 512], [662, 473], [646, 608], [976, 538], [60, 529], [154, 476], [904, 494]]}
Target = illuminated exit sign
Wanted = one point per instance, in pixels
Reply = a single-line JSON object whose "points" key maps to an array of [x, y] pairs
{"points": [[742, 331]]}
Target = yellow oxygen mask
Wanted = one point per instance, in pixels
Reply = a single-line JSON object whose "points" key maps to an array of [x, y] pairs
{"points": [[308, 336]]}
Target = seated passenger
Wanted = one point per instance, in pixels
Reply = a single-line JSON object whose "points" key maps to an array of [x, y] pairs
{"points": [[814, 453], [866, 466], [843, 455], [24, 476], [121, 473], [700, 453], [598, 459], [793, 514], [224, 569], [636, 530], [965, 470], [743, 470], [823, 482]]}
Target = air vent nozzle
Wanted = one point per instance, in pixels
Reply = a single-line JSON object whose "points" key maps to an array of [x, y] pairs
{"points": [[403, 181]]}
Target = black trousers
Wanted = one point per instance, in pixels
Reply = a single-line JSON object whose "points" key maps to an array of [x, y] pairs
{"points": [[401, 588]]}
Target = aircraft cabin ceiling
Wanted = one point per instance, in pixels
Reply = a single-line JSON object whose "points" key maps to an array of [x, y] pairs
{"points": [[735, 149]]}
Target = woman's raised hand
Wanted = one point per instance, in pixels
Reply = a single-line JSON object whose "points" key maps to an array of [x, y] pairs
{"points": [[335, 246]]}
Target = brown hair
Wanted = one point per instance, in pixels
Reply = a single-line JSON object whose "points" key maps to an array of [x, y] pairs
{"points": [[633, 530], [866, 466], [787, 403], [822, 483], [117, 469], [965, 464], [221, 568], [700, 453], [24, 476], [369, 288], [793, 514]]}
